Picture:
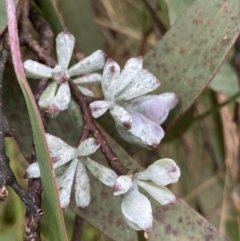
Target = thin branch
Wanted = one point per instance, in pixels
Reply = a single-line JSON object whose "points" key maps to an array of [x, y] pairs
{"points": [[78, 226], [112, 159]]}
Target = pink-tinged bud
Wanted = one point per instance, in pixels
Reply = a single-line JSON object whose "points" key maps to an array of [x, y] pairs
{"points": [[60, 74], [122, 185], [102, 173], [136, 210], [121, 116], [154, 107], [64, 43], [142, 83], [82, 186], [143, 132], [93, 62], [161, 194], [98, 108], [161, 172], [110, 80]]}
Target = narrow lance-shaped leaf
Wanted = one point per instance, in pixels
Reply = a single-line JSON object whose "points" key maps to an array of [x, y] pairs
{"points": [[55, 218]]}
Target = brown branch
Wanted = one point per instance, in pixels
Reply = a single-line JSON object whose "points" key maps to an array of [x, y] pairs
{"points": [[112, 159], [77, 230], [7, 177]]}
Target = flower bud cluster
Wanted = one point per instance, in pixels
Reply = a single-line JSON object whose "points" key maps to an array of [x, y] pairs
{"points": [[136, 208], [56, 96], [137, 117], [71, 163]]}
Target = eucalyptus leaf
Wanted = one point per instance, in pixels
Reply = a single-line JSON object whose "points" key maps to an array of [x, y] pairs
{"points": [[190, 53]]}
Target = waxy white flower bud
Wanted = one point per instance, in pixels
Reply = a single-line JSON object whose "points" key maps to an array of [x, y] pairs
{"points": [[105, 175], [122, 184], [93, 62], [64, 183], [89, 79], [136, 210], [143, 132], [161, 194], [98, 108], [65, 44], [154, 107], [82, 186], [87, 147], [161, 172]]}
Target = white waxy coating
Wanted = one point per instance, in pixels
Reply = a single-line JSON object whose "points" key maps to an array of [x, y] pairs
{"points": [[136, 210], [87, 147], [162, 172], [161, 194], [93, 62], [143, 83], [110, 79], [144, 132], [121, 116], [122, 185], [82, 186], [64, 43], [98, 108], [104, 174], [64, 183], [36, 70]]}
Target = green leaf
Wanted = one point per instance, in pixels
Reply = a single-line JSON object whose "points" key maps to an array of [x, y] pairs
{"points": [[176, 9], [190, 53], [79, 20], [226, 81], [53, 210], [171, 222]]}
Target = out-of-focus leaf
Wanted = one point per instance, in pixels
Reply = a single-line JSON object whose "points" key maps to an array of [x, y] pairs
{"points": [[176, 9], [53, 210], [171, 222], [3, 16], [50, 13], [191, 52], [163, 12], [79, 20], [226, 81], [180, 127]]}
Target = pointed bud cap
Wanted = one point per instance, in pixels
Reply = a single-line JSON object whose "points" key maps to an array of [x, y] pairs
{"points": [[136, 210], [161, 172], [122, 185]]}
